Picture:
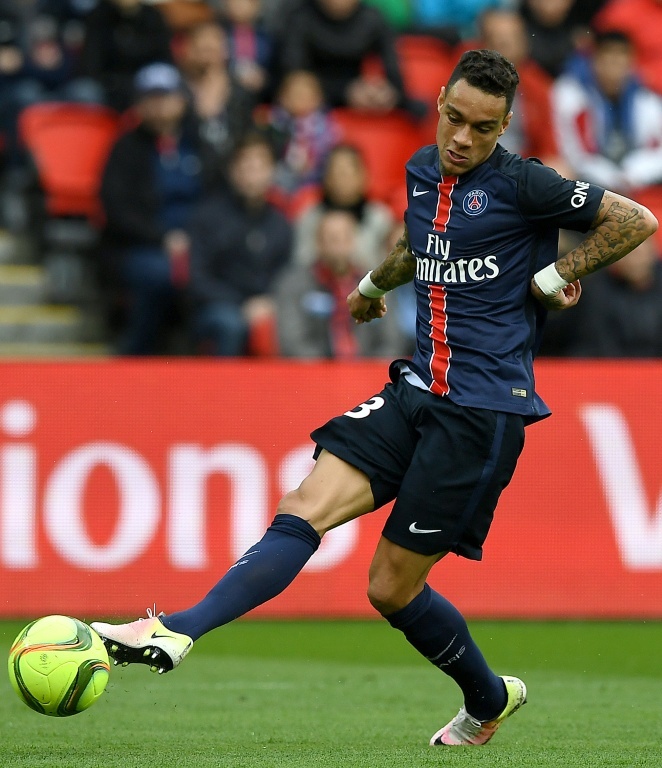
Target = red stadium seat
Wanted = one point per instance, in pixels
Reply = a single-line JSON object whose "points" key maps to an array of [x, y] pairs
{"points": [[426, 63], [69, 144], [386, 142]]}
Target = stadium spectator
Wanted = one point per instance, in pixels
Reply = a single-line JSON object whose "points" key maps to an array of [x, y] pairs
{"points": [[344, 186], [334, 38], [552, 33], [239, 244], [223, 107], [301, 129], [609, 126], [620, 314], [641, 20], [39, 45], [529, 133], [313, 321], [155, 175], [251, 47], [121, 36]]}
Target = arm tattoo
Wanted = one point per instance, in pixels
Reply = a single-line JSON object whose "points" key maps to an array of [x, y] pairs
{"points": [[398, 268], [620, 225]]}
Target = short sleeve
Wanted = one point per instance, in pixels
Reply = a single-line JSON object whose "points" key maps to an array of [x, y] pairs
{"points": [[547, 199]]}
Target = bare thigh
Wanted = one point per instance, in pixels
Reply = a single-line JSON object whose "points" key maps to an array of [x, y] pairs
{"points": [[332, 494]]}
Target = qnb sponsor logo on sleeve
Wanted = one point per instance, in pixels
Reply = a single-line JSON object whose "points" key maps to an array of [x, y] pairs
{"points": [[579, 195]]}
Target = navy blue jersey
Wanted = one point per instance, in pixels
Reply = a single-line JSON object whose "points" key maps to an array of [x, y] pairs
{"points": [[478, 239]]}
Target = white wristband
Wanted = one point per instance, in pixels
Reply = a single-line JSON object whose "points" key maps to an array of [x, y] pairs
{"points": [[369, 289], [549, 281]]}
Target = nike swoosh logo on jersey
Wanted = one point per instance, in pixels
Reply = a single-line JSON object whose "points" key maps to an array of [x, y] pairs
{"points": [[414, 529], [418, 193]]}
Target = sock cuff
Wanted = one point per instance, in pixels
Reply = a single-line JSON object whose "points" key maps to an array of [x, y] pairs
{"points": [[410, 613], [297, 527]]}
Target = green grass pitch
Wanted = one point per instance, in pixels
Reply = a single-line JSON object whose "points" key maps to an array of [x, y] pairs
{"points": [[350, 694]]}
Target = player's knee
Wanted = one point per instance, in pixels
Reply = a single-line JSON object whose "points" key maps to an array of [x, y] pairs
{"points": [[292, 503], [295, 503], [386, 596]]}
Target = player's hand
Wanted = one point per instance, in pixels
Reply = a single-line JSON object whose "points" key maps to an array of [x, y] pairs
{"points": [[564, 299], [363, 309]]}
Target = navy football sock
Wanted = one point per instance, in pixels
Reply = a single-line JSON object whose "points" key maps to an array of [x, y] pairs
{"points": [[262, 573], [438, 630]]}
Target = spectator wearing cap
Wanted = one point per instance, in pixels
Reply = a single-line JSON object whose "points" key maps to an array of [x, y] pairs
{"points": [[121, 36], [154, 177]]}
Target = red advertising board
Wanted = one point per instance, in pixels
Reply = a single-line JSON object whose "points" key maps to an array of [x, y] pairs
{"points": [[126, 483]]}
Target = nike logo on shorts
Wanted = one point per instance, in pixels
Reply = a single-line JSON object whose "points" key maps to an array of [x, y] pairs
{"points": [[418, 193], [414, 529]]}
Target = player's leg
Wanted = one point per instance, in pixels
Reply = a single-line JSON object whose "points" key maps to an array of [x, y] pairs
{"points": [[332, 494], [437, 630], [354, 474], [463, 459]]}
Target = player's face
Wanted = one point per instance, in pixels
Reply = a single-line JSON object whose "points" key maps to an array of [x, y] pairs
{"points": [[470, 123]]}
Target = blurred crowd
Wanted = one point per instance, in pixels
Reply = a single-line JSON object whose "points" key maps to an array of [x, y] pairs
{"points": [[237, 206]]}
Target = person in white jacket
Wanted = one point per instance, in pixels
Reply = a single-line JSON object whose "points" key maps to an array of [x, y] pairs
{"points": [[608, 125]]}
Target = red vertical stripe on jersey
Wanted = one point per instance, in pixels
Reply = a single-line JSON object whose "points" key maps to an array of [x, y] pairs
{"points": [[444, 203], [441, 354]]}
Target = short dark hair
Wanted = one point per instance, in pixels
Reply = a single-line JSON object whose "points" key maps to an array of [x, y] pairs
{"points": [[603, 38], [488, 71]]}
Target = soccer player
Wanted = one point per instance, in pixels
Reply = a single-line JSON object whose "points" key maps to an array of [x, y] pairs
{"points": [[442, 438]]}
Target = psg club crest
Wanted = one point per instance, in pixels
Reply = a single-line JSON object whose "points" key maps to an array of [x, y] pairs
{"points": [[475, 202]]}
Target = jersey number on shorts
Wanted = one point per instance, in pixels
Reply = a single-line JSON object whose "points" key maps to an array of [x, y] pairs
{"points": [[374, 404]]}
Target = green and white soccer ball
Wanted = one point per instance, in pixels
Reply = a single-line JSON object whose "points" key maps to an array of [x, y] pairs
{"points": [[58, 666]]}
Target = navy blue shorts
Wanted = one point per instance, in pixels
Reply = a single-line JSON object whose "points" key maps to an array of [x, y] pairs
{"points": [[445, 464]]}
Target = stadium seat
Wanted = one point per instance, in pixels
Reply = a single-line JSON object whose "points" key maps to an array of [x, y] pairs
{"points": [[69, 144], [426, 63], [386, 142]]}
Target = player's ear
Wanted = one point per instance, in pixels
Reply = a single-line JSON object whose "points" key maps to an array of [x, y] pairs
{"points": [[442, 98], [505, 123]]}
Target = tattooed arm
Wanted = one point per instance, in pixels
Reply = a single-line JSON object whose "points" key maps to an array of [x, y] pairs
{"points": [[619, 226], [398, 268]]}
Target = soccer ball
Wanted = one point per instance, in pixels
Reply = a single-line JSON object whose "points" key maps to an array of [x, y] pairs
{"points": [[58, 666]]}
